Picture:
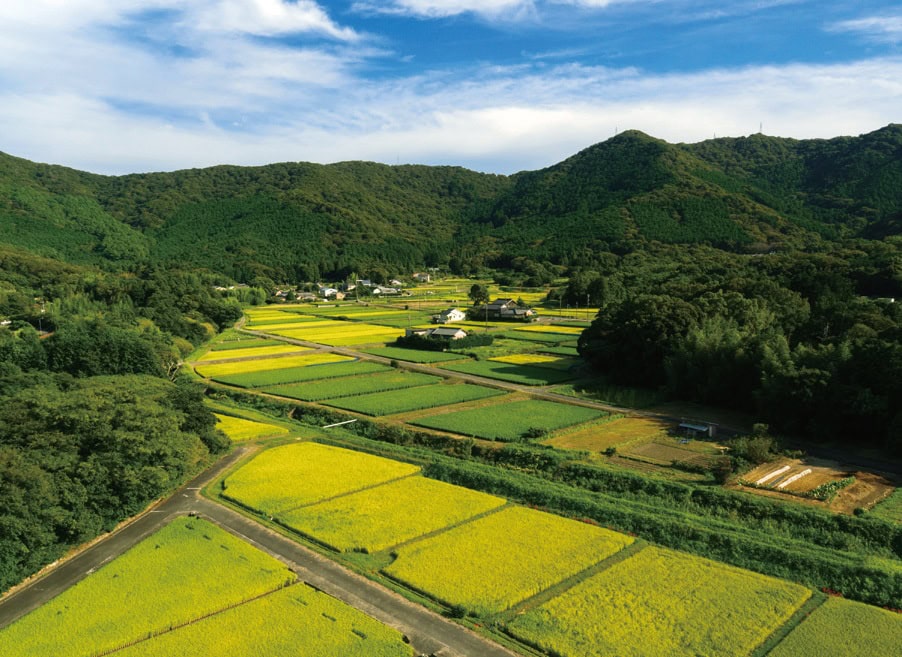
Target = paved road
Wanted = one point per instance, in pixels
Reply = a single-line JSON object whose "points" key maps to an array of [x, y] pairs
{"points": [[429, 633]]}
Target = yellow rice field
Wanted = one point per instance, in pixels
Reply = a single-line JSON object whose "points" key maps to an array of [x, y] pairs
{"points": [[186, 570], [497, 561], [661, 602], [378, 518], [291, 476], [267, 364], [525, 359], [250, 352], [294, 621], [239, 429]]}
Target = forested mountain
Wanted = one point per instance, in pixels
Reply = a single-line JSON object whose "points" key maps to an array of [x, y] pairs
{"points": [[292, 222]]}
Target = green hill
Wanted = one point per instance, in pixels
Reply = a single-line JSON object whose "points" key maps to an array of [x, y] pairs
{"points": [[298, 221]]}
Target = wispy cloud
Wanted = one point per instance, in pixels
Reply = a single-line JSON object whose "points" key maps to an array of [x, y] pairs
{"points": [[508, 9], [883, 29]]}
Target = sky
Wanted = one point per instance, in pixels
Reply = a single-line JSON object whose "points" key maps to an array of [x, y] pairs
{"points": [[121, 86]]}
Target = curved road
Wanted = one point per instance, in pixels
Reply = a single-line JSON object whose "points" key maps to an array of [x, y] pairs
{"points": [[428, 632]]}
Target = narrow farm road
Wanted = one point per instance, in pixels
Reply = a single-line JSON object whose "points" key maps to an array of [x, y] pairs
{"points": [[429, 633]]}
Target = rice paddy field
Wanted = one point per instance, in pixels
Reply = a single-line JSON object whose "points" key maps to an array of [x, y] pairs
{"points": [[267, 364], [345, 367], [244, 343], [338, 333], [511, 420], [616, 432], [354, 385], [413, 355], [497, 561], [660, 602], [254, 352], [412, 399], [240, 430], [292, 476], [539, 360], [154, 585], [553, 328], [843, 628], [534, 336], [526, 374], [294, 621], [382, 517]]}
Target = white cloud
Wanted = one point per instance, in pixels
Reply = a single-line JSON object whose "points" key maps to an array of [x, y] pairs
{"points": [[266, 17], [883, 29], [515, 9], [500, 120]]}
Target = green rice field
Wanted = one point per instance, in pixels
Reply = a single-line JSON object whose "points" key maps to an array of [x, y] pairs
{"points": [[843, 628], [412, 399], [244, 343], [298, 374], [294, 475], [152, 586], [660, 602], [294, 621], [529, 336], [378, 518], [497, 561], [414, 355], [354, 385], [510, 421], [526, 374]]}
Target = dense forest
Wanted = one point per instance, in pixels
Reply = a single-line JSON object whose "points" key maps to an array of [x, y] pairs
{"points": [[757, 273]]}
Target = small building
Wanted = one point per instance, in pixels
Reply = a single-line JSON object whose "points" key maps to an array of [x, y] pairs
{"points": [[386, 291], [440, 333], [395, 283], [507, 310], [694, 429], [449, 316], [327, 292], [422, 277], [448, 333]]}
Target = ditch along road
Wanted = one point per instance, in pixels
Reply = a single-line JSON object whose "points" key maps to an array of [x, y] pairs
{"points": [[428, 632]]}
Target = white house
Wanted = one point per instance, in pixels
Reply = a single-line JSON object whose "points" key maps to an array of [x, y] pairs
{"points": [[444, 333], [327, 292], [448, 316], [421, 277]]}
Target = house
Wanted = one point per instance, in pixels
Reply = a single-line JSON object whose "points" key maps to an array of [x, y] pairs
{"points": [[365, 282], [383, 290], [327, 292], [422, 277], [441, 333], [395, 283], [448, 333], [507, 310], [449, 316], [306, 296]]}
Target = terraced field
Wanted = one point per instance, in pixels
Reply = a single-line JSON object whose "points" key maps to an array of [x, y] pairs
{"points": [[244, 343], [292, 476], [156, 584], [494, 562], [412, 399], [660, 602], [378, 518], [510, 421], [254, 352], [386, 380]]}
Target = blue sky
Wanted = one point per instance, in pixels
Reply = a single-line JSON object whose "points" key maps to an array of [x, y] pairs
{"points": [[117, 86]]}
